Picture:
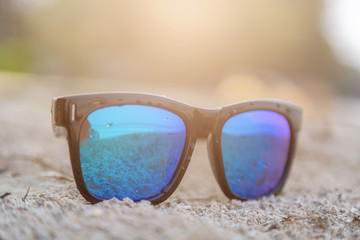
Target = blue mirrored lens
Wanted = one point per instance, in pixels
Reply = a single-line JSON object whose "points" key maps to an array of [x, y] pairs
{"points": [[255, 148], [130, 151]]}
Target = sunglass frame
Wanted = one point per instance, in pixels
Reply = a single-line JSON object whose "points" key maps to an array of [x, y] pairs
{"points": [[70, 112]]}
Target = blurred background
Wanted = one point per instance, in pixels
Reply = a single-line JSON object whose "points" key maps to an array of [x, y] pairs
{"points": [[206, 53], [292, 50]]}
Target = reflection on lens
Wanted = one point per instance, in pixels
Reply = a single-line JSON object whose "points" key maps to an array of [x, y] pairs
{"points": [[255, 148], [130, 151]]}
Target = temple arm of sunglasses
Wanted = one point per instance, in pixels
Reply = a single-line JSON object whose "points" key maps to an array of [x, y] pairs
{"points": [[57, 114]]}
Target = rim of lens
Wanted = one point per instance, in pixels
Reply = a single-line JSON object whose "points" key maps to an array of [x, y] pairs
{"points": [[178, 160], [285, 156]]}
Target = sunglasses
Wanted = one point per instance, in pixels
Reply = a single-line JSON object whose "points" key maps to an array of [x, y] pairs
{"points": [[139, 145]]}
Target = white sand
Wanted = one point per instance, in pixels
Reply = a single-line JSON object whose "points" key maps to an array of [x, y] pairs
{"points": [[320, 200]]}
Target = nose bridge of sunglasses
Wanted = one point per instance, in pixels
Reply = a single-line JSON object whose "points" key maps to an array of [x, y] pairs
{"points": [[205, 120]]}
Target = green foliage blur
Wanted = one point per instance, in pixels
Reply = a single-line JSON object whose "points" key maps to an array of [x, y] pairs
{"points": [[15, 50], [15, 56]]}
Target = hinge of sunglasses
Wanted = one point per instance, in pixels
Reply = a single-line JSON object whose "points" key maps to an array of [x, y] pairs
{"points": [[58, 112]]}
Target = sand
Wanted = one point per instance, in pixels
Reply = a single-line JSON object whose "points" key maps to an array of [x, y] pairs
{"points": [[321, 199]]}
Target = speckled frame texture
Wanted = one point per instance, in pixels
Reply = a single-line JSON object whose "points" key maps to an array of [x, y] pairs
{"points": [[69, 113]]}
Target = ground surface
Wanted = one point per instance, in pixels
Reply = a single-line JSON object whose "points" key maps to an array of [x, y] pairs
{"points": [[321, 199]]}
